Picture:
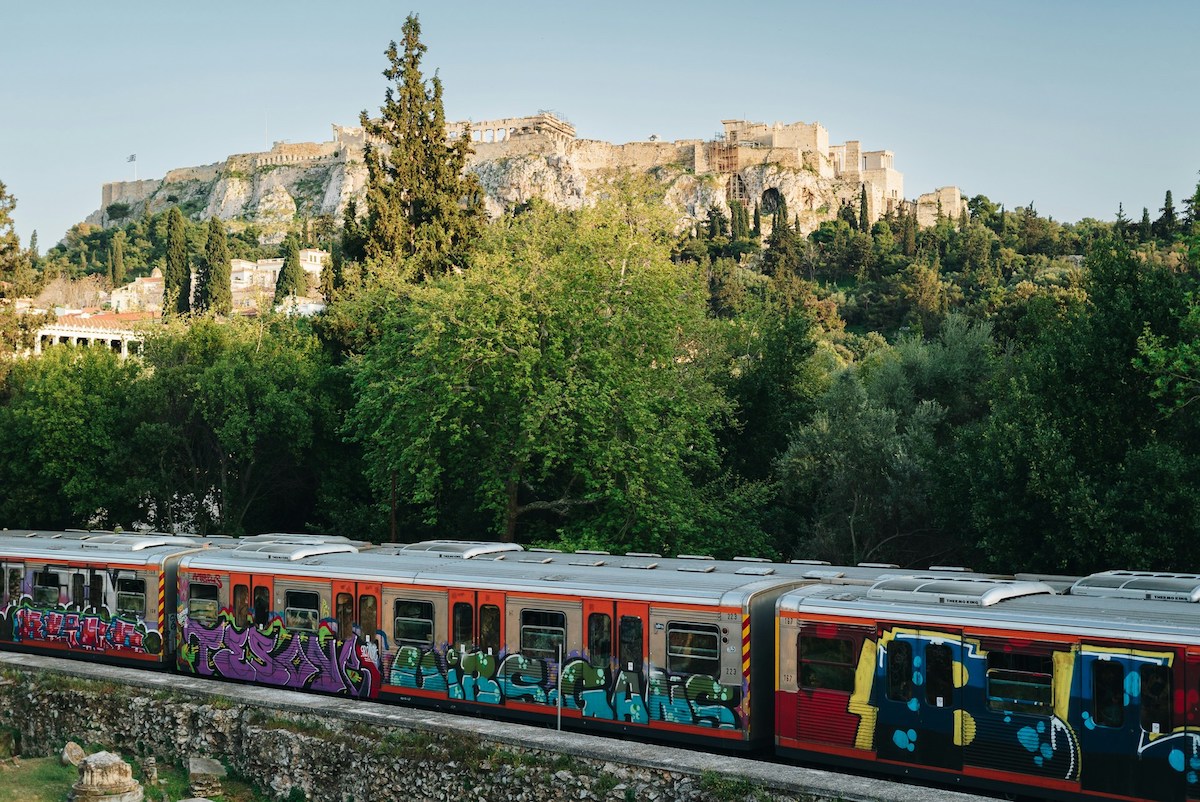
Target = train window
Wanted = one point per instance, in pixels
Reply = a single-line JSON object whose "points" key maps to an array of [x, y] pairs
{"points": [[241, 605], [1156, 698], [1019, 683], [600, 639], [939, 675], [45, 589], [543, 633], [262, 606], [78, 596], [131, 597], [1108, 693], [413, 624], [301, 610], [344, 610], [630, 643], [463, 624], [368, 615], [14, 584], [96, 591], [899, 671], [203, 603], [489, 628], [694, 649], [826, 663]]}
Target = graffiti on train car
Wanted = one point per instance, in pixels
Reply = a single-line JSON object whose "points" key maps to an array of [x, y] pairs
{"points": [[599, 692], [273, 655], [88, 631]]}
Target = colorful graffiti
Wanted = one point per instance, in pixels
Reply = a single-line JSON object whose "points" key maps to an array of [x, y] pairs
{"points": [[597, 692], [88, 631], [272, 655]]}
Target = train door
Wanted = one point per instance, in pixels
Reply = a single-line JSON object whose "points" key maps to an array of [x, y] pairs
{"points": [[477, 642], [1110, 734], [261, 598], [618, 651], [356, 613], [938, 661]]}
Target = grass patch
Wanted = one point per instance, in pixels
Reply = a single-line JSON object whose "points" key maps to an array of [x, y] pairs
{"points": [[730, 789], [42, 779]]}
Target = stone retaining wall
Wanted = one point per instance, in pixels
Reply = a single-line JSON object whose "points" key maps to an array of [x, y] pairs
{"points": [[336, 749]]}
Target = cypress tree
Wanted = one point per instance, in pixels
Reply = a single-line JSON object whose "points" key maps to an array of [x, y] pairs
{"points": [[214, 291], [33, 243], [420, 205], [330, 272], [117, 259], [1167, 225], [863, 221], [177, 277], [910, 233], [1191, 218], [1122, 222], [291, 278], [1145, 228], [757, 230]]}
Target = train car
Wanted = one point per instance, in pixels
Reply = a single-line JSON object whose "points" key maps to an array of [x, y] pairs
{"points": [[1000, 684], [106, 596], [661, 647]]}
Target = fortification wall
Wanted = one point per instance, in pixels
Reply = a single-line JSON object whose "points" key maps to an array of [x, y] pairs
{"points": [[130, 192], [592, 155]]}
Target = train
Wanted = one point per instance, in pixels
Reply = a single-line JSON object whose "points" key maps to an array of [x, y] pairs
{"points": [[1060, 687]]}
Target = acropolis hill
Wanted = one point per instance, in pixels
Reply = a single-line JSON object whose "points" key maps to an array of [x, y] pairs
{"points": [[521, 158]]}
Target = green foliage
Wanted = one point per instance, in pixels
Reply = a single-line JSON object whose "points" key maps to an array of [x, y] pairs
{"points": [[563, 380], [177, 277], [292, 280], [116, 259], [214, 292], [117, 211], [423, 213]]}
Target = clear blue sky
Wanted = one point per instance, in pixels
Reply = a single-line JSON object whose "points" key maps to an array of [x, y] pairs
{"points": [[1075, 106]]}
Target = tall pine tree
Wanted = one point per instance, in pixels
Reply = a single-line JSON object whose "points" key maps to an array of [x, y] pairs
{"points": [[214, 291], [864, 223], [1166, 226], [291, 278], [423, 213], [177, 277], [116, 259]]}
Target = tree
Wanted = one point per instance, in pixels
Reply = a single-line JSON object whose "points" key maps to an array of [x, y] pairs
{"points": [[177, 277], [116, 259], [1145, 228], [422, 211], [864, 223], [291, 279], [1166, 226], [1191, 218], [227, 417], [10, 244], [560, 385], [214, 291], [33, 245], [1121, 224]]}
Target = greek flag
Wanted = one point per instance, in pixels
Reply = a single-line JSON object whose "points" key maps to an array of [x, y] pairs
{"points": [[132, 157]]}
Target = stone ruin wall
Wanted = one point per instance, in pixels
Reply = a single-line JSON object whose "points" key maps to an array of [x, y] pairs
{"points": [[539, 156]]}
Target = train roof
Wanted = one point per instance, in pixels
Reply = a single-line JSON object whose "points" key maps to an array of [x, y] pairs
{"points": [[90, 546], [696, 579], [1018, 603]]}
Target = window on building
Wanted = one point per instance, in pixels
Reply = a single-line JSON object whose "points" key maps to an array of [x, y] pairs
{"points": [[1020, 683], [543, 633], [630, 644], [1108, 693], [599, 639], [489, 628], [1156, 698], [301, 610], [899, 671], [462, 624], [826, 663], [131, 598], [203, 603], [412, 624], [45, 588]]}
